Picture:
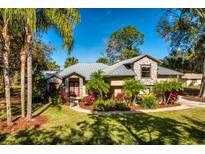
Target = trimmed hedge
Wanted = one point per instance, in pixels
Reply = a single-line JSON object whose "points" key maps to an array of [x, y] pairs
{"points": [[109, 105]]}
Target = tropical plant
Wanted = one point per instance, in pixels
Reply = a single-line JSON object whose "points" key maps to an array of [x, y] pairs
{"points": [[70, 61], [165, 88], [149, 101], [97, 84], [132, 88], [63, 20], [123, 44]]}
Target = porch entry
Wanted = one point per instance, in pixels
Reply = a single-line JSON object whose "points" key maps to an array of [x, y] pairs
{"points": [[74, 87]]}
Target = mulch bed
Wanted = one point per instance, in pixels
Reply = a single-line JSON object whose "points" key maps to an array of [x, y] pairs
{"points": [[194, 98], [135, 108], [22, 123], [84, 106], [130, 108]]}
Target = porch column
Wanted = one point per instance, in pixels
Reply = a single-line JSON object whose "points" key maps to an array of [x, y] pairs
{"points": [[81, 87]]}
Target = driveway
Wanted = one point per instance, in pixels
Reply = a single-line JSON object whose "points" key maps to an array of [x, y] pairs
{"points": [[191, 104]]}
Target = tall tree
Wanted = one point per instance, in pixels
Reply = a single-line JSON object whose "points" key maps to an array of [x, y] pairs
{"points": [[124, 43], [185, 30], [63, 20], [179, 60], [6, 22], [70, 61]]}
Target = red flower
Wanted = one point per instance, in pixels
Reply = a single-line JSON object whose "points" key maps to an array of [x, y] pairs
{"points": [[63, 95], [89, 99], [120, 96]]}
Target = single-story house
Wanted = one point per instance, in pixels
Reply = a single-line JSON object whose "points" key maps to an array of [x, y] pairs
{"points": [[73, 79], [191, 79]]}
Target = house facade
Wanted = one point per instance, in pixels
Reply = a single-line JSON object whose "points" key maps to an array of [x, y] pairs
{"points": [[73, 79]]}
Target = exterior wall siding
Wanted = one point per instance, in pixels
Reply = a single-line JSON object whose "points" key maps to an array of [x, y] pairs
{"points": [[137, 69]]}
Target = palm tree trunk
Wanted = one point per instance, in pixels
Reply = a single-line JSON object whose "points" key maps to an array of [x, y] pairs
{"points": [[23, 67], [29, 78], [202, 89], [6, 50]]}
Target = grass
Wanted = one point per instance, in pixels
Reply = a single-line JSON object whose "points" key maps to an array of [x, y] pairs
{"points": [[66, 126]]}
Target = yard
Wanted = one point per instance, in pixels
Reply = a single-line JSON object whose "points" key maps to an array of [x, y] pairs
{"points": [[66, 126]]}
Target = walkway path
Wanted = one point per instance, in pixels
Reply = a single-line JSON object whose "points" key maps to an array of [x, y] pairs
{"points": [[185, 104]]}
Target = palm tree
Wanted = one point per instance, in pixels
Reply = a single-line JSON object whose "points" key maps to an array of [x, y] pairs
{"points": [[63, 20], [132, 88], [97, 84], [6, 22]]}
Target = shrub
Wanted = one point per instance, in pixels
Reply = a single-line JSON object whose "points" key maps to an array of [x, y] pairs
{"points": [[132, 88], [89, 99], [120, 97], [99, 105], [120, 106], [165, 88], [63, 97], [109, 105], [54, 99], [149, 101], [39, 87], [173, 97]]}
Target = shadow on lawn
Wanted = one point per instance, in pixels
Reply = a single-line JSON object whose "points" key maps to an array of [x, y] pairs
{"points": [[139, 128]]}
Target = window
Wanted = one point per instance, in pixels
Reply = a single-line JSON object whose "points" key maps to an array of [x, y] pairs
{"points": [[74, 88], [145, 70]]}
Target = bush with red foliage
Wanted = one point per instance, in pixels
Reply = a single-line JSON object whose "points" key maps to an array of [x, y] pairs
{"points": [[173, 97], [89, 99], [63, 97], [120, 97]]}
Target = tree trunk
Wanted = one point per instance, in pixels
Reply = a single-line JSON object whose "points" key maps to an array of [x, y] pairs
{"points": [[23, 54], [6, 50], [202, 89], [23, 67], [29, 78]]}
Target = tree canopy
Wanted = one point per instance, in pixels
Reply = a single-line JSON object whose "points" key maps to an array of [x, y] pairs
{"points": [[124, 43], [70, 61]]}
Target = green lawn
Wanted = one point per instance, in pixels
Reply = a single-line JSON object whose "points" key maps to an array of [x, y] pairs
{"points": [[69, 127]]}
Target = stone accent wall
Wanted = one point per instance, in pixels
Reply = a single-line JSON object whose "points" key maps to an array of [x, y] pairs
{"points": [[137, 69]]}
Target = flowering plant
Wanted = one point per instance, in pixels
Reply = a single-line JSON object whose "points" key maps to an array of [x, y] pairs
{"points": [[120, 96], [89, 99], [63, 97]]}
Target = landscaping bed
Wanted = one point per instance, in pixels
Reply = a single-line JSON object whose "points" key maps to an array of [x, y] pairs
{"points": [[130, 108], [22, 124]]}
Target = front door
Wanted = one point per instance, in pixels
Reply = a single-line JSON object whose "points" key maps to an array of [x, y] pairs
{"points": [[74, 88]]}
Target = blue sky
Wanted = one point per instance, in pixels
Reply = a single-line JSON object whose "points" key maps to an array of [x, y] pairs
{"points": [[95, 27]]}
